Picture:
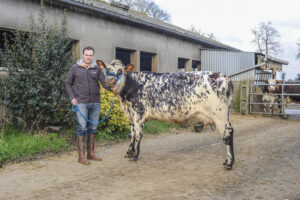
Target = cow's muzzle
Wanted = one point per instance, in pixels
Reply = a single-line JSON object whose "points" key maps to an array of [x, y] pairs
{"points": [[112, 78]]}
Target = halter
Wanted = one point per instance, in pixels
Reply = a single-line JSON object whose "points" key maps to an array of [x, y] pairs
{"points": [[114, 75], [117, 79]]}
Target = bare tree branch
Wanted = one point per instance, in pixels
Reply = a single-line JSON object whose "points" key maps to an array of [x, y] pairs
{"points": [[148, 7], [266, 39], [202, 33]]}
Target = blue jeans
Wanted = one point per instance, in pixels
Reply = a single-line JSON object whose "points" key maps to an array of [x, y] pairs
{"points": [[92, 112]]}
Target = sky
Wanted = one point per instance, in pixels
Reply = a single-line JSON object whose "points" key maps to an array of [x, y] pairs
{"points": [[231, 22]]}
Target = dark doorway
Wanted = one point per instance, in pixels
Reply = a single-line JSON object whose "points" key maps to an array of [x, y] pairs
{"points": [[182, 63], [146, 62], [9, 35], [123, 55], [196, 65]]}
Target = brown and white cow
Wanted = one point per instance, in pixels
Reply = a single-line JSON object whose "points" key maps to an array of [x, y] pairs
{"points": [[269, 96], [291, 88], [272, 93], [172, 97]]}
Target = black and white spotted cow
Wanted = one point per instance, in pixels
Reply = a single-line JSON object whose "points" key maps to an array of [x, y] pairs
{"points": [[172, 97]]}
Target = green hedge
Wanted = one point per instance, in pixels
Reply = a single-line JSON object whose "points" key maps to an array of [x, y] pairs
{"points": [[37, 63]]}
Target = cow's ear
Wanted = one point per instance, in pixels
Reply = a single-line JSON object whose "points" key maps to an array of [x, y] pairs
{"points": [[129, 67], [101, 64]]}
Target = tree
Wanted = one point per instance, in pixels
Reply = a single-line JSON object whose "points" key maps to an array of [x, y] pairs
{"points": [[148, 7], [266, 39], [37, 63], [202, 33]]}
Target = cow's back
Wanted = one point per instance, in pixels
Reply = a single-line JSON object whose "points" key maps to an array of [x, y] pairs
{"points": [[175, 96]]}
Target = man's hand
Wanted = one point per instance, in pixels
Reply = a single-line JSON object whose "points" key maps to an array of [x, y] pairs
{"points": [[74, 102], [114, 88]]}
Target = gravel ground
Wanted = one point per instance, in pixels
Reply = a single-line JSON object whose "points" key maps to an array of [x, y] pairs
{"points": [[178, 165]]}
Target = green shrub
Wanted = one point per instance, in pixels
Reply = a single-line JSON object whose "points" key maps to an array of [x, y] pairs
{"points": [[117, 121], [37, 63]]}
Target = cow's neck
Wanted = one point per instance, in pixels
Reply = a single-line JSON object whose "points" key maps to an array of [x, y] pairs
{"points": [[132, 87], [121, 84]]}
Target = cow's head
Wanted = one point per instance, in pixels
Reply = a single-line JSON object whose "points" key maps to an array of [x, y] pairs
{"points": [[272, 85], [115, 73]]}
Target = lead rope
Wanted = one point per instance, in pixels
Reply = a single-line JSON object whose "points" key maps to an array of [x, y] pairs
{"points": [[112, 103], [92, 122]]}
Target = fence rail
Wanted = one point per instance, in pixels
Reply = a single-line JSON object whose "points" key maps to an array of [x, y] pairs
{"points": [[255, 101]]}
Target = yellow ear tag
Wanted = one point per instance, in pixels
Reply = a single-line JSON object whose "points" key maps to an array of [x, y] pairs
{"points": [[123, 84]]}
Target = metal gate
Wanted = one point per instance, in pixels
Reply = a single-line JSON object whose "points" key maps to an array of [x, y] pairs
{"points": [[283, 104]]}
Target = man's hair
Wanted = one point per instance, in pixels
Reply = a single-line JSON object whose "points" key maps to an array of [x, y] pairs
{"points": [[88, 48]]}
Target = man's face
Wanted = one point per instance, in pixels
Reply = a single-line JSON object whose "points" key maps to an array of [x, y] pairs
{"points": [[88, 56]]}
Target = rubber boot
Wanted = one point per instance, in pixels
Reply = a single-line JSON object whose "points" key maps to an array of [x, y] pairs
{"points": [[91, 146], [82, 159]]}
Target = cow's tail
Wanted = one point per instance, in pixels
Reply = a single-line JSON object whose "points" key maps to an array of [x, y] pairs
{"points": [[229, 91], [229, 99]]}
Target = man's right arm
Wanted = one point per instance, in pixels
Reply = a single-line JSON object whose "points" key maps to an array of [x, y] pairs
{"points": [[69, 86], [102, 80]]}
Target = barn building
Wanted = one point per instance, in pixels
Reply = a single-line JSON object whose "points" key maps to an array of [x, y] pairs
{"points": [[116, 32]]}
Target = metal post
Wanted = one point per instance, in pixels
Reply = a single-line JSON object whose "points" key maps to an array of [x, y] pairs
{"points": [[282, 96], [251, 98]]}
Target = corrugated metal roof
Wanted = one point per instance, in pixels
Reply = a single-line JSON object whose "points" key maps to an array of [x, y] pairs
{"points": [[227, 62], [273, 59], [237, 65]]}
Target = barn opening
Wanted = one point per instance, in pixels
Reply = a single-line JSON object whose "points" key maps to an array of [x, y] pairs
{"points": [[182, 64], [127, 56], [148, 62], [9, 36], [196, 65]]}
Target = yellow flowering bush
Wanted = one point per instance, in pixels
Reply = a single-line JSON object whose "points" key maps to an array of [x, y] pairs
{"points": [[117, 120]]}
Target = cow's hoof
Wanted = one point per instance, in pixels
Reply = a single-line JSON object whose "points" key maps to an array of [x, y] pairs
{"points": [[133, 159], [227, 166], [129, 154]]}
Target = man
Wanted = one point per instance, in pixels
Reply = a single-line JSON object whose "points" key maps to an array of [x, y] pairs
{"points": [[83, 88]]}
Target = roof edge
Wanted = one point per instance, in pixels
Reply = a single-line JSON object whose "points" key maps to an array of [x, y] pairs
{"points": [[151, 26]]}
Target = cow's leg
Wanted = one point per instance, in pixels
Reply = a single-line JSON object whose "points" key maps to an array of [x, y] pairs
{"points": [[270, 109], [139, 126], [228, 140], [131, 149], [278, 100], [272, 104], [265, 107], [136, 136], [225, 129]]}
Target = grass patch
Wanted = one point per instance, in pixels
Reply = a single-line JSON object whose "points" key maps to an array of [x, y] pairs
{"points": [[103, 137], [155, 127], [15, 145], [152, 127], [20, 145]]}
